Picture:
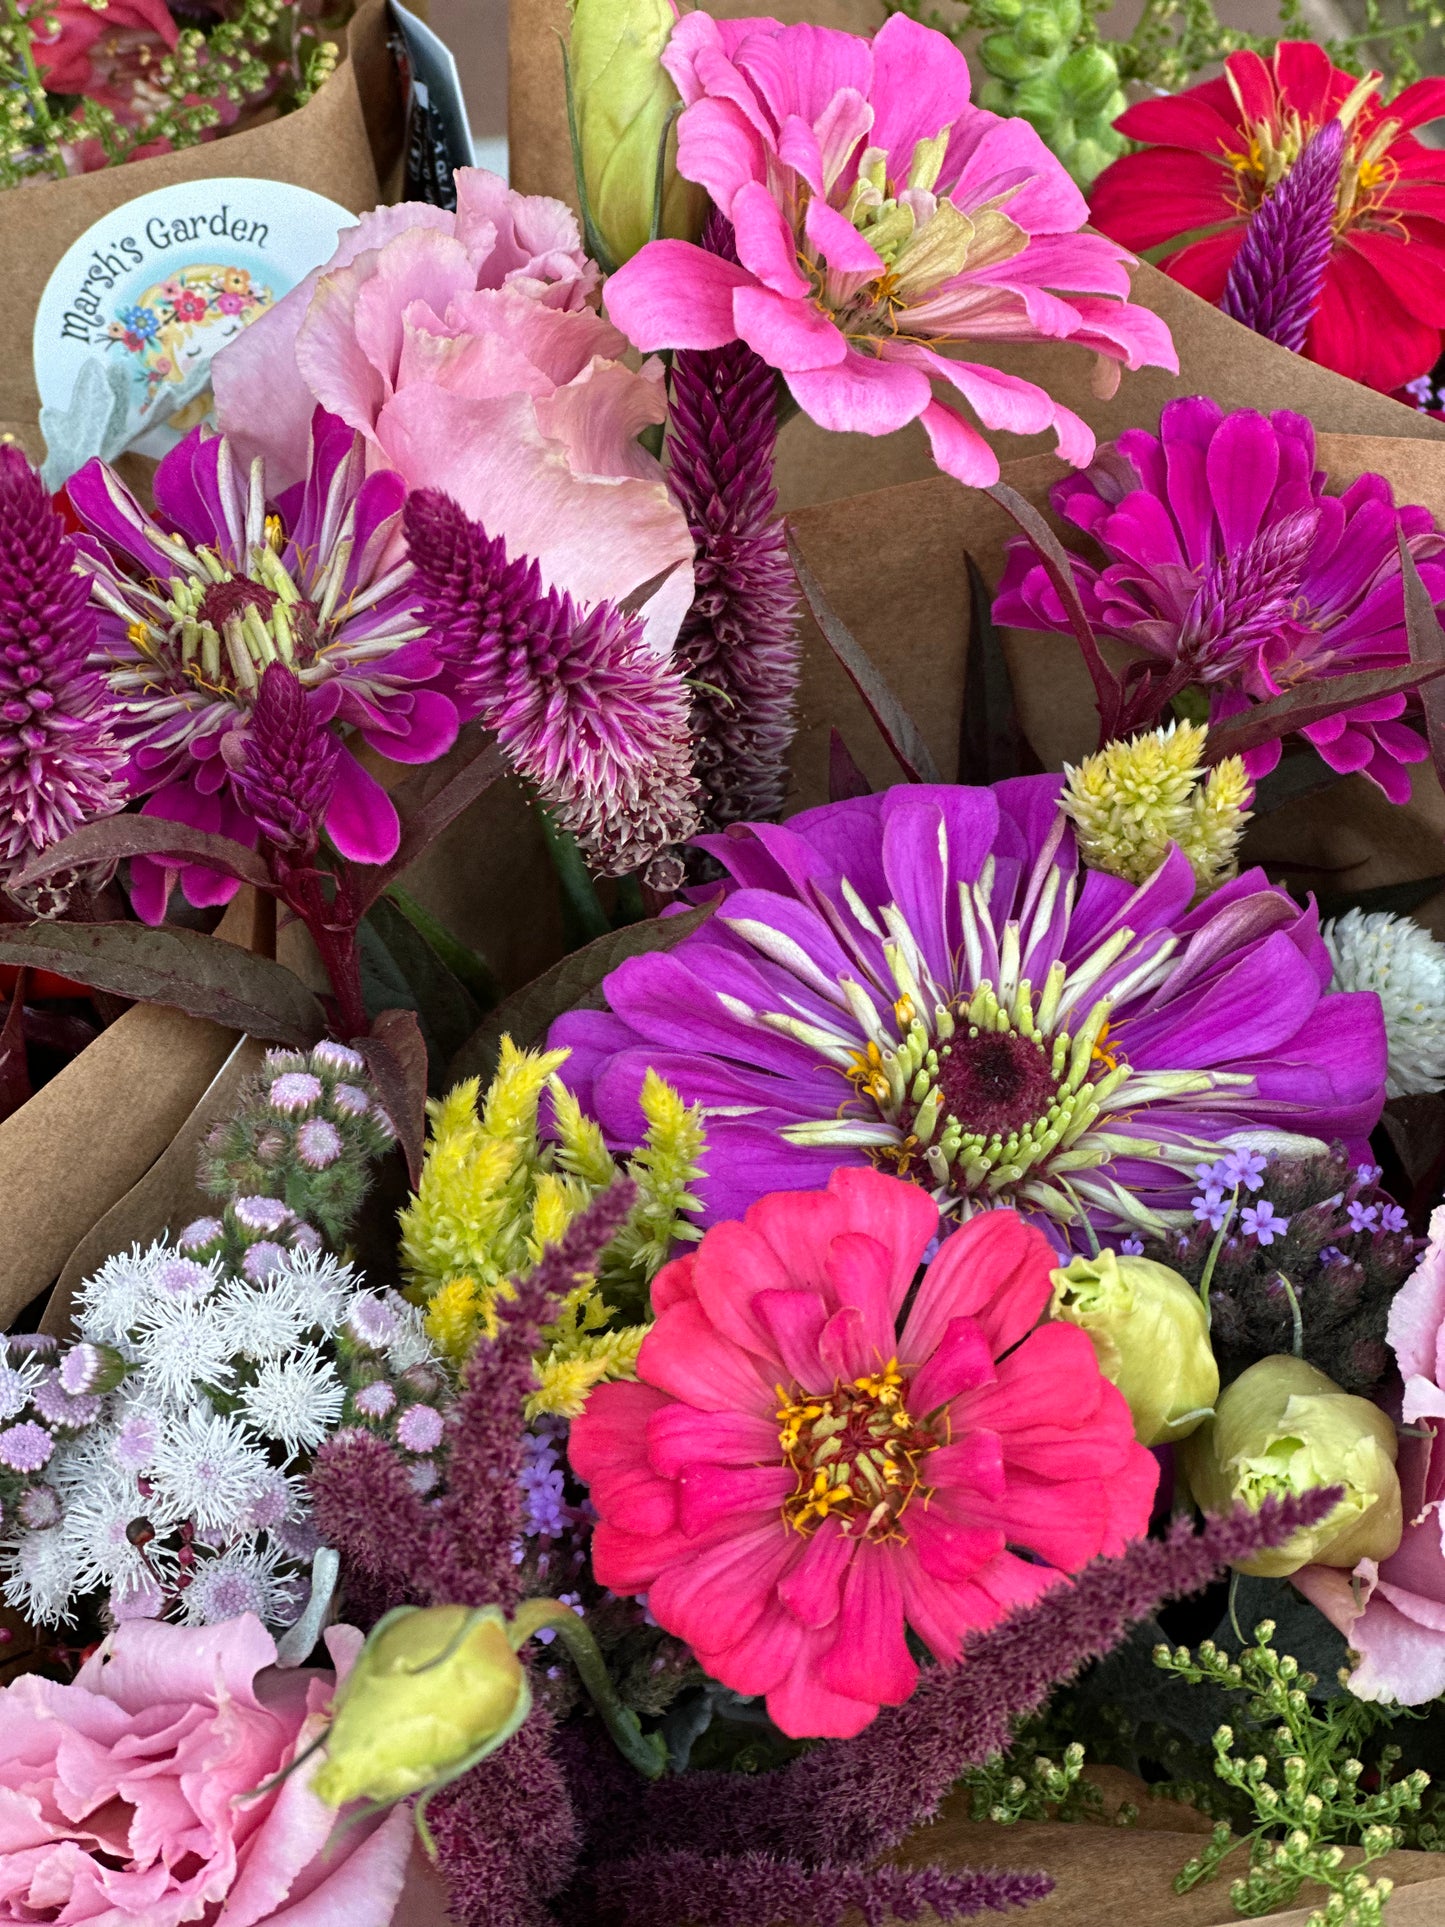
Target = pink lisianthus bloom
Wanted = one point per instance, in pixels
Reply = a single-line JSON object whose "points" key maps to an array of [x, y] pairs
{"points": [[793, 1480], [878, 216], [462, 347], [1392, 1611], [124, 1793]]}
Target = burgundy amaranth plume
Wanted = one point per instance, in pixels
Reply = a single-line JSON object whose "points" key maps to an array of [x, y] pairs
{"points": [[739, 644], [60, 766], [761, 1890], [583, 706], [851, 1800], [1275, 280], [291, 764]]}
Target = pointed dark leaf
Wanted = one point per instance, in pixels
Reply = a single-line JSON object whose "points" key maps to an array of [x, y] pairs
{"points": [[1294, 776], [1402, 899], [1311, 702], [202, 975], [573, 984], [1427, 649], [895, 725], [989, 741], [14, 1070], [114, 837], [431, 799], [1058, 566], [401, 971], [845, 779], [396, 1057]]}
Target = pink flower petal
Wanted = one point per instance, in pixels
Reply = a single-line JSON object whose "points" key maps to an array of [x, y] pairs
{"points": [[812, 1587], [674, 295], [866, 396], [839, 242], [361, 819], [788, 334], [765, 241], [869, 1658], [959, 450]]}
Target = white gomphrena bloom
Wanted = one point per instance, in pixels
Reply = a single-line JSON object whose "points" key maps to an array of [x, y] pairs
{"points": [[1405, 967]]}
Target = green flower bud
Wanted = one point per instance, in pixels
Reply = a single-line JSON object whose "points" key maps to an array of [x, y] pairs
{"points": [[622, 101], [1089, 79], [1151, 1337], [1284, 1427], [434, 1690]]}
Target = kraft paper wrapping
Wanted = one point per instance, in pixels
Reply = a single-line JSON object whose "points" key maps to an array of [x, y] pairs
{"points": [[341, 144]]}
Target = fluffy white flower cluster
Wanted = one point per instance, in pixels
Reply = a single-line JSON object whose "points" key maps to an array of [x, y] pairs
{"points": [[196, 1396], [1405, 967]]}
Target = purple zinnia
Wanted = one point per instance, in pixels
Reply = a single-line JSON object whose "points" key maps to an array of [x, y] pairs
{"points": [[60, 763], [1228, 566], [197, 600], [580, 700], [926, 980]]}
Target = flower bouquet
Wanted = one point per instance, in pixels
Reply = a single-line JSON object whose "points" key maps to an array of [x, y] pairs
{"points": [[904, 1309]]}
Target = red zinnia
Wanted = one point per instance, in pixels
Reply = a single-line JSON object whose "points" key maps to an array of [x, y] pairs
{"points": [[1217, 150]]}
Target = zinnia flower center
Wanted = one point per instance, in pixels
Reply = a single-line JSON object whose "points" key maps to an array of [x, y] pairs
{"points": [[856, 1451]]}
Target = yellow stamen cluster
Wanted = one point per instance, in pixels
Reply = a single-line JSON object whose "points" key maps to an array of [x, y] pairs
{"points": [[1131, 800], [856, 1453], [493, 1196]]}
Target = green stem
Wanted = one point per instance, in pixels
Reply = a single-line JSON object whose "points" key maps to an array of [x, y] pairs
{"points": [[1207, 1275], [461, 960], [645, 1751], [1298, 1345], [584, 916]]}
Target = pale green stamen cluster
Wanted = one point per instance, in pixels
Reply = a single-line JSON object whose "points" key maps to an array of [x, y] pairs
{"points": [[1131, 800]]}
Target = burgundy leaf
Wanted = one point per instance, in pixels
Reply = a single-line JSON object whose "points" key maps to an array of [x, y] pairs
{"points": [[1058, 566], [1427, 648], [431, 800], [1311, 702], [115, 837], [845, 779], [895, 725], [396, 1057], [201, 975]]}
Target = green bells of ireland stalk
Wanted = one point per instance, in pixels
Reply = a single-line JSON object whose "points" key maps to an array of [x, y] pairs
{"points": [[1045, 66], [622, 106], [1150, 1333], [1283, 1427], [435, 1689]]}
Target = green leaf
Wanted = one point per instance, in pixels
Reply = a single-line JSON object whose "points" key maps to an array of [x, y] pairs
{"points": [[401, 971], [573, 984], [583, 917], [191, 972], [470, 970]]}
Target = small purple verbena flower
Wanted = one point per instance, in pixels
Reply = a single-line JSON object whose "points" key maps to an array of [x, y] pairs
{"points": [[1303, 586], [60, 762], [1332, 1255], [1241, 1167], [1392, 1218], [572, 1599], [1368, 1173], [294, 1091], [25, 1447], [1261, 1222], [1363, 1217], [1276, 278], [288, 777], [318, 1143], [578, 700], [1212, 1209], [420, 1428], [1132, 1247], [738, 646], [375, 1400], [543, 1487]]}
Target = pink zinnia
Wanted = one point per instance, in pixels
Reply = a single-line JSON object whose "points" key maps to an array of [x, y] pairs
{"points": [[794, 1480], [878, 215]]}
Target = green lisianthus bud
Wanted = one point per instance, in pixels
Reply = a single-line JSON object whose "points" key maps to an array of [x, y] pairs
{"points": [[622, 100], [1151, 1336], [1284, 1427], [434, 1690]]}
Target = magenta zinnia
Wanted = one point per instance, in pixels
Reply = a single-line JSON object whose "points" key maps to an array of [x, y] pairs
{"points": [[200, 598], [1229, 568], [929, 981], [59, 761]]}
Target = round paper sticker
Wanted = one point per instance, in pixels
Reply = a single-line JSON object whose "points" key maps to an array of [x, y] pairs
{"points": [[140, 303]]}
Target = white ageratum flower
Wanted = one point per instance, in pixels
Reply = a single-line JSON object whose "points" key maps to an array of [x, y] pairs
{"points": [[42, 1582], [127, 1285], [209, 1469], [20, 1373], [265, 1320], [295, 1401], [100, 1519], [181, 1346], [1405, 967], [236, 1582], [322, 1285]]}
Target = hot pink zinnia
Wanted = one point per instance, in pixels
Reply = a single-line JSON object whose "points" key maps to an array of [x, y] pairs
{"points": [[878, 215], [793, 1480]]}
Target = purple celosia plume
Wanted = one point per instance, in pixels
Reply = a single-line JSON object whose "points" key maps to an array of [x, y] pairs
{"points": [[738, 646], [929, 981], [580, 702], [60, 763], [1226, 565], [507, 1835], [1276, 278], [851, 1800], [767, 1890], [198, 599], [289, 774]]}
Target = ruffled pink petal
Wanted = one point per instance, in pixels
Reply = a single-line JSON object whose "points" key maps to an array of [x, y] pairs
{"points": [[959, 450], [804, 1707], [839, 242], [812, 1587], [996, 1269], [708, 1494], [765, 241], [794, 1321], [962, 1362], [948, 1551], [683, 1354], [763, 1657], [859, 1272], [679, 1436]]}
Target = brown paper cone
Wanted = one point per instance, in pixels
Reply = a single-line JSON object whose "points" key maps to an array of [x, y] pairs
{"points": [[326, 146]]}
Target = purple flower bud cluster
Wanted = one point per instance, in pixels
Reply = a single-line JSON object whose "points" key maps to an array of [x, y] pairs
{"points": [[394, 1388], [302, 1136], [1316, 1231], [38, 1410]]}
